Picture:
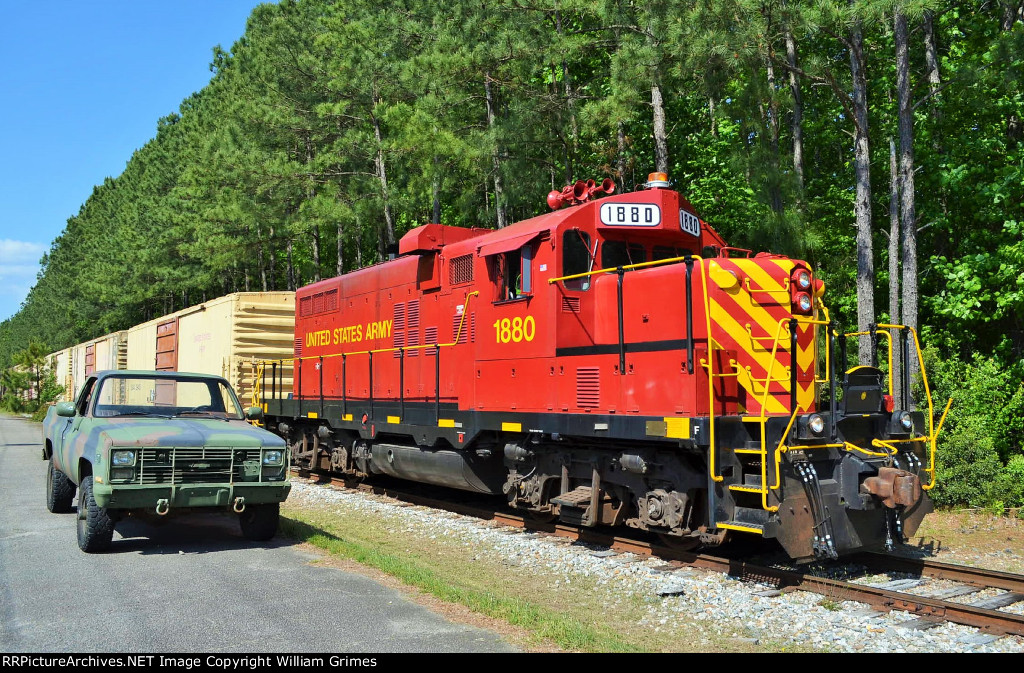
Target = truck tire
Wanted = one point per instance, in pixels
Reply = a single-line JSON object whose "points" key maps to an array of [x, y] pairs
{"points": [[60, 490], [259, 522], [95, 527]]}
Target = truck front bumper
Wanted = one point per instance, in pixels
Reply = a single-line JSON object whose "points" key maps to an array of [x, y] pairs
{"points": [[129, 496]]}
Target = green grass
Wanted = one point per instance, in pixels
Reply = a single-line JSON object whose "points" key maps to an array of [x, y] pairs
{"points": [[560, 629]]}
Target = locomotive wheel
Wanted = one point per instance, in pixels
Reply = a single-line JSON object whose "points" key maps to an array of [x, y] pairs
{"points": [[678, 543]]}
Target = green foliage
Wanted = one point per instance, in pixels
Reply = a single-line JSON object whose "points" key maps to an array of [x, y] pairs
{"points": [[28, 386], [980, 454], [329, 129]]}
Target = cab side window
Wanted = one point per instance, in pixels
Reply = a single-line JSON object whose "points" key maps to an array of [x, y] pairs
{"points": [[85, 397], [576, 258], [512, 273]]}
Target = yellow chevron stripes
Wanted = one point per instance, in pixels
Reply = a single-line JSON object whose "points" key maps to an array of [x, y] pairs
{"points": [[764, 301]]}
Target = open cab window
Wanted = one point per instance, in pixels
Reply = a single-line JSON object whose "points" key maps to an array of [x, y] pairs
{"points": [[512, 273]]}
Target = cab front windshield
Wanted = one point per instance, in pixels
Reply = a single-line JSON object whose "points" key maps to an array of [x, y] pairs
{"points": [[167, 397]]}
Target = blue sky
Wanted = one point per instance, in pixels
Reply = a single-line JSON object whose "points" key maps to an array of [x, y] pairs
{"points": [[82, 85]]}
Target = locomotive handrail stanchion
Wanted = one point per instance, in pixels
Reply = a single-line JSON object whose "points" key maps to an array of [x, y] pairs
{"points": [[873, 333], [321, 370], [622, 342], [298, 390], [370, 354], [906, 367], [437, 383], [779, 450], [833, 403], [344, 385], [932, 432], [689, 314], [792, 362], [273, 381], [401, 383]]}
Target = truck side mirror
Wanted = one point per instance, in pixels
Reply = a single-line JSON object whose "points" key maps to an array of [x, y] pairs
{"points": [[66, 409], [254, 413]]}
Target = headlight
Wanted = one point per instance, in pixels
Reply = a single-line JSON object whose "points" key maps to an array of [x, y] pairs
{"points": [[803, 302], [803, 279], [816, 424], [907, 421], [273, 457], [122, 458]]}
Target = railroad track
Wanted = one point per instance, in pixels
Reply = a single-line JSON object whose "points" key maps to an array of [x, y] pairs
{"points": [[932, 606]]}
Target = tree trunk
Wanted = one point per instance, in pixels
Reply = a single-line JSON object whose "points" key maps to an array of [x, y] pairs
{"points": [[499, 200], [340, 267], [262, 266], [620, 157], [660, 134], [436, 189], [931, 59], [382, 175], [570, 105], [908, 216], [271, 261], [862, 200], [316, 253], [291, 269], [774, 188], [1010, 14], [797, 122], [894, 264], [1014, 125]]}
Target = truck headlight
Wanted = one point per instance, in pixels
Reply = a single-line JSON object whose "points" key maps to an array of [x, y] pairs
{"points": [[273, 457], [122, 458]]}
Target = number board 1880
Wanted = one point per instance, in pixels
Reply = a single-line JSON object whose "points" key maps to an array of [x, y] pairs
{"points": [[631, 214]]}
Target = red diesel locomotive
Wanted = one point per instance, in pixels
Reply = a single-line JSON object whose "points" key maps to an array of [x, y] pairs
{"points": [[609, 363]]}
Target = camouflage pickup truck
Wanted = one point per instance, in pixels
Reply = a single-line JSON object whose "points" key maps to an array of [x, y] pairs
{"points": [[137, 442]]}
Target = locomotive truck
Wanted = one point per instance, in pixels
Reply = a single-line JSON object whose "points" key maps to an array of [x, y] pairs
{"points": [[611, 363]]}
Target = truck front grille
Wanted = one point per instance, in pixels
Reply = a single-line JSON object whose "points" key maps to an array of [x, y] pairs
{"points": [[202, 465]]}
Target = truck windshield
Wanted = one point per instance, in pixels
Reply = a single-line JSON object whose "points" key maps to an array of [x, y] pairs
{"points": [[168, 397]]}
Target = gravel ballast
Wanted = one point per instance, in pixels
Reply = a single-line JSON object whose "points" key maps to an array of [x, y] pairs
{"points": [[724, 607]]}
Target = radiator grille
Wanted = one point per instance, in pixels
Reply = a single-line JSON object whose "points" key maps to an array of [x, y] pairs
{"points": [[588, 387], [399, 324], [460, 270], [430, 337], [414, 314], [202, 465], [570, 304]]}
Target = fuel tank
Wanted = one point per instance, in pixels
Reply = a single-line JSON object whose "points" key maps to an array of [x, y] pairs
{"points": [[464, 470]]}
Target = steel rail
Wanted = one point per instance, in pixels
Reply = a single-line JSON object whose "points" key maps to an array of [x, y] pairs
{"points": [[786, 580]]}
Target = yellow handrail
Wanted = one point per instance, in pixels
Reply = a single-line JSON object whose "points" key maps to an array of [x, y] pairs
{"points": [[887, 336], [932, 436]]}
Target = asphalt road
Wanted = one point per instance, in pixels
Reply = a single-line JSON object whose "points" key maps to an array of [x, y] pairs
{"points": [[190, 585]]}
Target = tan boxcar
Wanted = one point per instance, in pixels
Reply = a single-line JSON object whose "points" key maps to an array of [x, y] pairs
{"points": [[60, 364], [71, 365], [221, 336]]}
